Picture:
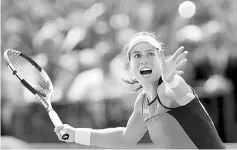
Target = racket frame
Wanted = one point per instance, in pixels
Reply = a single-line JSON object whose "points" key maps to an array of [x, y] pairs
{"points": [[41, 96]]}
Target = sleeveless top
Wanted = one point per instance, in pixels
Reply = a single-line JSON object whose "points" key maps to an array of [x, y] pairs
{"points": [[187, 126]]}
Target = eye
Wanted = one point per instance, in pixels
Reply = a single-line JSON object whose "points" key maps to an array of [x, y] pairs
{"points": [[137, 55], [151, 54]]}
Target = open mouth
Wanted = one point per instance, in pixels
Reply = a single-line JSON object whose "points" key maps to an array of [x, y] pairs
{"points": [[146, 71]]}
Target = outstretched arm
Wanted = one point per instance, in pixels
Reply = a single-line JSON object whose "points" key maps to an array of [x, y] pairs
{"points": [[120, 137], [176, 87]]}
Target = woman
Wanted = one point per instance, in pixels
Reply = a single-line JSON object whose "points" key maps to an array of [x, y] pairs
{"points": [[167, 107]]}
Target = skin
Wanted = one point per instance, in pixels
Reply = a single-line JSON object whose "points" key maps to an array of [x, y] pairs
{"points": [[142, 55], [145, 55]]}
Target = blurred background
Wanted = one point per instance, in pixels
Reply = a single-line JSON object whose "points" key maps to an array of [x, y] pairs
{"points": [[79, 44]]}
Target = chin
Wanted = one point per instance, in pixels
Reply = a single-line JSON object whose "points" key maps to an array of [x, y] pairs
{"points": [[148, 80]]}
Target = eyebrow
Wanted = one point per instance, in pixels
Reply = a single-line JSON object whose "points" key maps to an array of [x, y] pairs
{"points": [[150, 50], [134, 52]]}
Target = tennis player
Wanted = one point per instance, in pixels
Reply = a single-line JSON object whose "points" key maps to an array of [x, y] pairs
{"points": [[166, 106]]}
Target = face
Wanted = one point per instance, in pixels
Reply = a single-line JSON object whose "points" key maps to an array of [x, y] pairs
{"points": [[145, 63]]}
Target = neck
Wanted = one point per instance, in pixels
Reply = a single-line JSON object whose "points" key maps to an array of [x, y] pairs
{"points": [[151, 90]]}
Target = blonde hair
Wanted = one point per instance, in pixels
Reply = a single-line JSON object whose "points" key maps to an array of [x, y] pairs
{"points": [[127, 48]]}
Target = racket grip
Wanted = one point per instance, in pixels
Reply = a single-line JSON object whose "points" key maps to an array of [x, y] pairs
{"points": [[57, 122]]}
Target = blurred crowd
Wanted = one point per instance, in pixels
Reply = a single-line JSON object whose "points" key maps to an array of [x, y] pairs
{"points": [[79, 43]]}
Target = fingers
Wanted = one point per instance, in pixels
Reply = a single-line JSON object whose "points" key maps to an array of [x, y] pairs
{"points": [[63, 130], [60, 135], [177, 53], [181, 63], [57, 128], [181, 57]]}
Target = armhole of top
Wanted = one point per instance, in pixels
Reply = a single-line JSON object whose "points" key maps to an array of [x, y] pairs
{"points": [[160, 81], [164, 105], [194, 93]]}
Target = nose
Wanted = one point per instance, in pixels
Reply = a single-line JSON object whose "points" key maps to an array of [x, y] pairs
{"points": [[143, 62]]}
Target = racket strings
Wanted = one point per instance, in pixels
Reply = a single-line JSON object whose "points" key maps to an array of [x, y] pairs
{"points": [[29, 73]]}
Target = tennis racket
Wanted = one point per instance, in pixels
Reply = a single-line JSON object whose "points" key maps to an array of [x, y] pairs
{"points": [[35, 79]]}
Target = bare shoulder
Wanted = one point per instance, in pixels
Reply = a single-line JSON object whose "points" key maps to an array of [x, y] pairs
{"points": [[138, 102], [164, 91]]}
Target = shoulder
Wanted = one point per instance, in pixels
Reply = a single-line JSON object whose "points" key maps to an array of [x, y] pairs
{"points": [[139, 102], [164, 90]]}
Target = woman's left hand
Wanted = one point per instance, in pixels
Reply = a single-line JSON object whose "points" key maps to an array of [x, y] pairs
{"points": [[171, 66]]}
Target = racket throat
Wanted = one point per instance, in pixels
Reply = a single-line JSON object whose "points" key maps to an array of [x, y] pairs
{"points": [[49, 107]]}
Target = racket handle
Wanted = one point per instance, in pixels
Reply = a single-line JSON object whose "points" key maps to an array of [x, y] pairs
{"points": [[57, 122]]}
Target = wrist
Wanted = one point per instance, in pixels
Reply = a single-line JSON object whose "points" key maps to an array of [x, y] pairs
{"points": [[173, 81], [170, 79], [83, 136]]}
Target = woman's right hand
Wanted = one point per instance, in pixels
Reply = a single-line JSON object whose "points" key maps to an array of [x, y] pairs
{"points": [[65, 128]]}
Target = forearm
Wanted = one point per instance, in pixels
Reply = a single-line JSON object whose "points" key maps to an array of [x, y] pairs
{"points": [[104, 138], [120, 137], [110, 138]]}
